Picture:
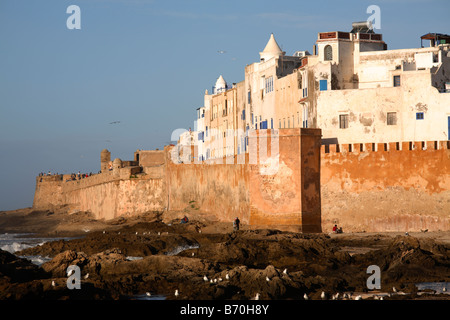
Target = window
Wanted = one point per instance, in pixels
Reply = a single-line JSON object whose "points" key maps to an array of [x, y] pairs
{"points": [[328, 53], [284, 123], [279, 124], [323, 85], [249, 97], [392, 118], [419, 116], [396, 81], [269, 84], [289, 123], [271, 123], [343, 121]]}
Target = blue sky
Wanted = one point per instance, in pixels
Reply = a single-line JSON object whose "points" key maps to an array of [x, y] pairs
{"points": [[146, 64]]}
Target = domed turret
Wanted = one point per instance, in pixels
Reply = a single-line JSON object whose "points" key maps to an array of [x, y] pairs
{"points": [[221, 85], [271, 50]]}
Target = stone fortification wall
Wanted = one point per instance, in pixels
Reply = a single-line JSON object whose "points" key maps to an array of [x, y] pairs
{"points": [[275, 184], [363, 187], [386, 187]]}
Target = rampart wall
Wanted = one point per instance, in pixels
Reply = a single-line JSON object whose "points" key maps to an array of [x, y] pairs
{"points": [[361, 187], [386, 186]]}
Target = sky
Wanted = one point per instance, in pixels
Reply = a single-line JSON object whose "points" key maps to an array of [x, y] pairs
{"points": [[147, 64]]}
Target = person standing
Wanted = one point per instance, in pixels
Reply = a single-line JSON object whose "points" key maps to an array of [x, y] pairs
{"points": [[236, 223]]}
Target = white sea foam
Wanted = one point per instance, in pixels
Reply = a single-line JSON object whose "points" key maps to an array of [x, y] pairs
{"points": [[14, 242]]}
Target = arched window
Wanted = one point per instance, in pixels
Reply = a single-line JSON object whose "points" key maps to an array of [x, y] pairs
{"points": [[328, 53]]}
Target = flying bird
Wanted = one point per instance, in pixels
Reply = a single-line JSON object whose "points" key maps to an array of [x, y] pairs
{"points": [[115, 122], [221, 51]]}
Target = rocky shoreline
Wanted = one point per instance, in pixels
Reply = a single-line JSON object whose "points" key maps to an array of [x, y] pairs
{"points": [[206, 260]]}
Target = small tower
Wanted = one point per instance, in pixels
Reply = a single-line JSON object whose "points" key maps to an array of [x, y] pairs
{"points": [[221, 85], [271, 50], [105, 159]]}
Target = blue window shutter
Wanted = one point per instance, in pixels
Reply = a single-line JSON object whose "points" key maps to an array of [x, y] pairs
{"points": [[323, 85]]}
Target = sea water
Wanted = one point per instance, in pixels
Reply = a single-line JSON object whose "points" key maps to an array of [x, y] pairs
{"points": [[13, 242], [438, 287]]}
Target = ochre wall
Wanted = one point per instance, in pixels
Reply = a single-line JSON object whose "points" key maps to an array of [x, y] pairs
{"points": [[265, 191], [386, 189]]}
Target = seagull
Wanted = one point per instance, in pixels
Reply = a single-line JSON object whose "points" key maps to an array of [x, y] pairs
{"points": [[53, 283], [104, 232], [257, 296], [394, 289], [159, 233], [211, 281], [176, 293], [444, 289], [70, 272], [305, 296], [215, 280], [136, 232], [227, 277], [193, 253], [221, 51], [285, 271], [220, 279], [205, 278], [336, 296], [267, 279], [148, 294], [358, 297], [323, 296], [86, 276], [115, 122]]}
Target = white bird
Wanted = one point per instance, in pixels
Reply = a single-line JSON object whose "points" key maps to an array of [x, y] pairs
{"points": [[69, 273], [323, 296], [358, 297], [227, 277], [267, 279], [176, 293], [159, 233], [394, 289], [220, 279], [336, 296], [285, 271], [193, 253], [104, 232], [118, 232], [257, 296], [86, 276], [215, 280], [205, 278], [136, 232], [53, 283], [381, 298], [305, 296], [211, 281], [444, 289], [148, 294]]}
